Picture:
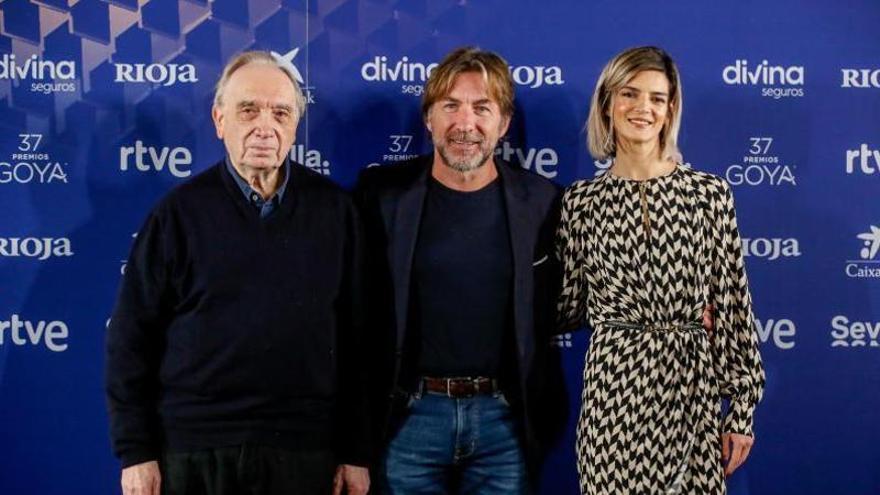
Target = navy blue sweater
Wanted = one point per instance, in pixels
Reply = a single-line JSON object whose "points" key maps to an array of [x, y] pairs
{"points": [[232, 329]]}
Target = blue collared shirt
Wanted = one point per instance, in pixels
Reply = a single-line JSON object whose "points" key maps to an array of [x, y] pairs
{"points": [[265, 207]]}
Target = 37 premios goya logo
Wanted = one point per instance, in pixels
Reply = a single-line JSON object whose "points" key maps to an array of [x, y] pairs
{"points": [[761, 166], [31, 164]]}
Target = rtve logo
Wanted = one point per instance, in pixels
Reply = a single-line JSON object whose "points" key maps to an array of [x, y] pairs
{"points": [[542, 160], [149, 158], [860, 78], [52, 334], [868, 160], [847, 333], [780, 331], [161, 74]]}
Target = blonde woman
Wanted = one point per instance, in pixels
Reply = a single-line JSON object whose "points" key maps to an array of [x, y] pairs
{"points": [[645, 247]]}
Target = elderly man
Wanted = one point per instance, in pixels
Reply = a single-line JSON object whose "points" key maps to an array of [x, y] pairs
{"points": [[465, 281], [232, 351]]}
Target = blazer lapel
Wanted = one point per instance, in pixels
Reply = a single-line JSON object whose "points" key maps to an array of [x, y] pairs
{"points": [[520, 217], [406, 214]]}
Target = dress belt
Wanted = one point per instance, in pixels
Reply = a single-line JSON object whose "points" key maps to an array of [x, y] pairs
{"points": [[653, 327], [461, 387]]}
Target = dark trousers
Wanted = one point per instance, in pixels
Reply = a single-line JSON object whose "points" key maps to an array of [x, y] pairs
{"points": [[247, 470]]}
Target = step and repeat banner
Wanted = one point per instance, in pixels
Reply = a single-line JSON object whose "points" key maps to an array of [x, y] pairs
{"points": [[105, 106]]}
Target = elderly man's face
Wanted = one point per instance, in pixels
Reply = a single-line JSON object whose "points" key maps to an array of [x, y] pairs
{"points": [[257, 119], [466, 124]]}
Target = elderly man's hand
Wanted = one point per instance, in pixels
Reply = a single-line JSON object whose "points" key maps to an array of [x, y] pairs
{"points": [[351, 480], [141, 479]]}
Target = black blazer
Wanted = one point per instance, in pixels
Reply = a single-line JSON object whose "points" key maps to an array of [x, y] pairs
{"points": [[391, 198]]}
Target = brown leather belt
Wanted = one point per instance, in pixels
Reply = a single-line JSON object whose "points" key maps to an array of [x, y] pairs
{"points": [[460, 387]]}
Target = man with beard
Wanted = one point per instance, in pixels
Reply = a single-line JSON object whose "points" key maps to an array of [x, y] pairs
{"points": [[465, 282]]}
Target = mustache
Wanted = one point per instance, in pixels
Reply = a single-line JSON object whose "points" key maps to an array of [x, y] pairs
{"points": [[468, 137]]}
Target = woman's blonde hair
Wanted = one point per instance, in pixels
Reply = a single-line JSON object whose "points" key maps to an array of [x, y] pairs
{"points": [[619, 71]]}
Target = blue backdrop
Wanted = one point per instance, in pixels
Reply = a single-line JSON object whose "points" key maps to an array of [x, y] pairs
{"points": [[104, 106]]}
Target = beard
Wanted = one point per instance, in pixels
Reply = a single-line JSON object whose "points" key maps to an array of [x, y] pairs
{"points": [[464, 163]]}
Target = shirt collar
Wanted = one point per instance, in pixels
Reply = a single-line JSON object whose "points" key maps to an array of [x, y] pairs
{"points": [[249, 192]]}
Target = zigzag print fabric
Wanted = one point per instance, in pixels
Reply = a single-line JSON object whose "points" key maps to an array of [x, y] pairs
{"points": [[641, 259]]}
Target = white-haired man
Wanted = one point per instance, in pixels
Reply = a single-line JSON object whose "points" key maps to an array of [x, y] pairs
{"points": [[231, 354]]}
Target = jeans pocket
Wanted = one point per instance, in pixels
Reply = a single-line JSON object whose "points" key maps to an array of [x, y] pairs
{"points": [[502, 399]]}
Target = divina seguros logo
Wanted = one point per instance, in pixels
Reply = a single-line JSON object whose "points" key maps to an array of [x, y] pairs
{"points": [[776, 81], [34, 68], [414, 74], [868, 266], [160, 74]]}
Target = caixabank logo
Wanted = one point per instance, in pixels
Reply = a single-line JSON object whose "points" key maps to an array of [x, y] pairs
{"points": [[286, 59], [761, 165], [860, 78], [863, 160], [854, 332], [31, 164], [45, 76], [867, 266], [411, 75], [775, 81]]}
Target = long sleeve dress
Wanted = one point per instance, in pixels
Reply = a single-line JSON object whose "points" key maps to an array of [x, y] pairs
{"points": [[641, 259]]}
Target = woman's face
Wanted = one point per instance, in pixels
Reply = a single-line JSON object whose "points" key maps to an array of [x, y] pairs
{"points": [[640, 109]]}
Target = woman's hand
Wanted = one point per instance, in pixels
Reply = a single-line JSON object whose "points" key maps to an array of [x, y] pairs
{"points": [[734, 450]]}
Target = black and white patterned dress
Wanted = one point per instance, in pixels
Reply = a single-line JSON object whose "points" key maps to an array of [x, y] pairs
{"points": [[641, 259]]}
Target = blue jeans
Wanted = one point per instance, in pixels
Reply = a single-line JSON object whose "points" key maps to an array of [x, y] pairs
{"points": [[455, 446]]}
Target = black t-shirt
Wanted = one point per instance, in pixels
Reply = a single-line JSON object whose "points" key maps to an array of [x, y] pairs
{"points": [[463, 273]]}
